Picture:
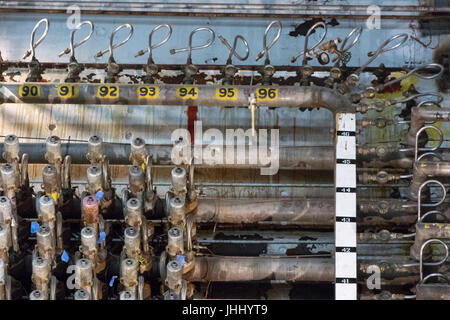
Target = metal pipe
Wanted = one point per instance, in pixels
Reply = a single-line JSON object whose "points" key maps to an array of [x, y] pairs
{"points": [[421, 115], [318, 213], [426, 231], [424, 169], [127, 94], [295, 269]]}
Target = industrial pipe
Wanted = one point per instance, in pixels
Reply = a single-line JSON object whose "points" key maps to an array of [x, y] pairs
{"points": [[317, 213], [295, 269], [424, 114], [177, 95], [424, 169], [427, 231]]}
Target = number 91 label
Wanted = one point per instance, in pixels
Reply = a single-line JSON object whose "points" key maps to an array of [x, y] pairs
{"points": [[66, 91], [266, 94]]}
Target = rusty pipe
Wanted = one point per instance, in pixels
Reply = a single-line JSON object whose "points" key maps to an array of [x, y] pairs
{"points": [[424, 169], [427, 231], [421, 115], [313, 212], [296, 269], [127, 94]]}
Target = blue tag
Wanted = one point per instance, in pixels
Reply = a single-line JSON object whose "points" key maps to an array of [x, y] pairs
{"points": [[99, 195], [111, 283], [65, 256], [101, 237], [180, 259], [34, 227]]}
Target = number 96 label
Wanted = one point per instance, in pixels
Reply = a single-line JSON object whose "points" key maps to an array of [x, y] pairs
{"points": [[266, 94]]}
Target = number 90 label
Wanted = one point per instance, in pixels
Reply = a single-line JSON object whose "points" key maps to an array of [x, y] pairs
{"points": [[266, 94], [226, 93], [108, 91], [66, 91], [29, 90]]}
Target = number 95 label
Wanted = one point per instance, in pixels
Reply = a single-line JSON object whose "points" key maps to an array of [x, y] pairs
{"points": [[226, 93]]}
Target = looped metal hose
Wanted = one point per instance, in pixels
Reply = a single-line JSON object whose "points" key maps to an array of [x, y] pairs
{"points": [[435, 204], [421, 263], [117, 45], [233, 49], [190, 47], [306, 49], [344, 50], [266, 48], [382, 49], [33, 45], [151, 46], [72, 47], [416, 148], [429, 213]]}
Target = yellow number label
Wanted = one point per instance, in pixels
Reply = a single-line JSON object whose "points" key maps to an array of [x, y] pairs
{"points": [[187, 93], [266, 94], [108, 91], [148, 92], [66, 91], [29, 90], [226, 93]]}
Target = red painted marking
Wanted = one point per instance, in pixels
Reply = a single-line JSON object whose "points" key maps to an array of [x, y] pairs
{"points": [[276, 126], [192, 117]]}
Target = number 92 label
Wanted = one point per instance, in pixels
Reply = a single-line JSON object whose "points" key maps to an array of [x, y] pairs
{"points": [[267, 94], [226, 93], [108, 91], [29, 90]]}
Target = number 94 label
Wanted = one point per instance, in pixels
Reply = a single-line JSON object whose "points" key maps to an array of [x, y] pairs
{"points": [[266, 94]]}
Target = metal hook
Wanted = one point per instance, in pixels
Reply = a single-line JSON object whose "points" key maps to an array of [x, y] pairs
{"points": [[413, 71], [266, 48], [115, 46], [190, 47], [431, 263], [436, 212], [343, 50], [416, 147], [305, 49], [434, 275], [33, 45], [72, 47], [419, 194], [150, 36], [383, 49], [233, 49]]}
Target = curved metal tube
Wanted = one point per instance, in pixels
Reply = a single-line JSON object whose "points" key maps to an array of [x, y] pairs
{"points": [[421, 115], [343, 50], [266, 48], [190, 47], [305, 49], [34, 45], [233, 49], [72, 46], [117, 45], [151, 46]]}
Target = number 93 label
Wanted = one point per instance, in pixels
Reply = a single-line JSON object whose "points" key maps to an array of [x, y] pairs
{"points": [[226, 93], [148, 92], [267, 94]]}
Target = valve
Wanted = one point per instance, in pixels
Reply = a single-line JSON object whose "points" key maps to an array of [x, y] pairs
{"points": [[267, 71], [230, 70], [35, 69]]}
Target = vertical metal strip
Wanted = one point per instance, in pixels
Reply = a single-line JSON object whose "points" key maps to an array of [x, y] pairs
{"points": [[345, 206]]}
